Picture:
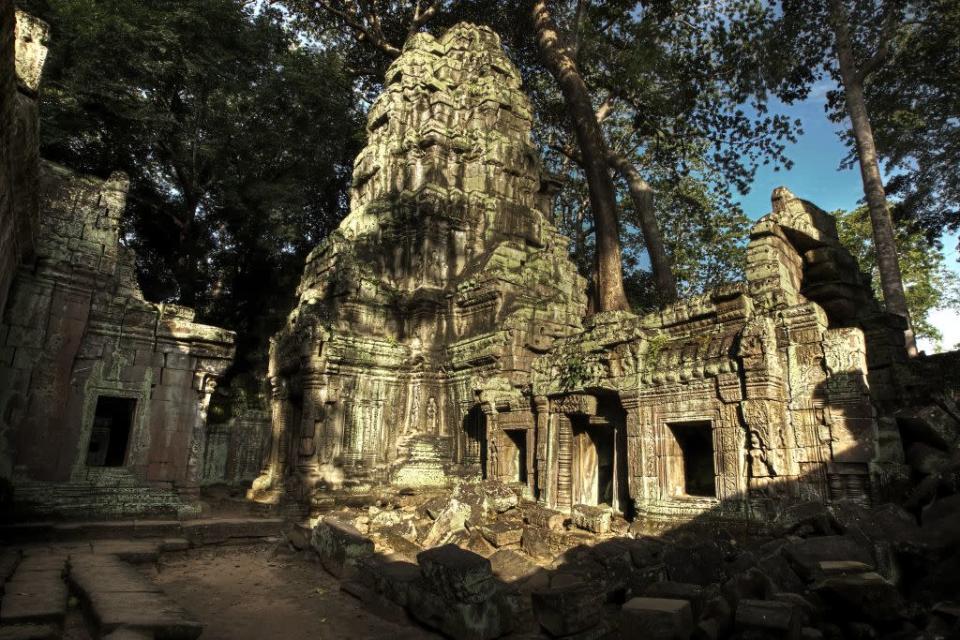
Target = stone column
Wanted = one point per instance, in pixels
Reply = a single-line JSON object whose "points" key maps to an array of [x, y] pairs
{"points": [[204, 384], [564, 461], [541, 467], [306, 448]]}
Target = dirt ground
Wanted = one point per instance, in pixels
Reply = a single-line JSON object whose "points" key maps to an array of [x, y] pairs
{"points": [[254, 593]]}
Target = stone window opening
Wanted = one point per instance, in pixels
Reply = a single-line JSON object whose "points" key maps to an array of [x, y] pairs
{"points": [[110, 433], [690, 467]]}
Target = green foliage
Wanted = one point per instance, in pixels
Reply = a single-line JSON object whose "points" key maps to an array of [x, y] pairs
{"points": [[689, 111], [238, 140], [929, 283]]}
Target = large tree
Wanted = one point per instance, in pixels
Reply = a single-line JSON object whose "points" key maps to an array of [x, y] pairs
{"points": [[673, 85], [847, 42], [238, 140]]}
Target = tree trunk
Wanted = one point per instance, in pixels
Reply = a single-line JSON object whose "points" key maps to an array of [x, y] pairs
{"points": [[593, 150], [642, 196], [891, 282]]}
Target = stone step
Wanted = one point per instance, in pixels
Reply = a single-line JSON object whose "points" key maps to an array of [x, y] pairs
{"points": [[35, 594], [118, 597]]}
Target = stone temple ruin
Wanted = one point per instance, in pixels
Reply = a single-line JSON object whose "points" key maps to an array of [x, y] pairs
{"points": [[441, 334], [103, 395], [449, 433]]}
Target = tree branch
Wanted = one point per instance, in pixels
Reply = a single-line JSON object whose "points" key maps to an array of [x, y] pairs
{"points": [[372, 34], [891, 21]]}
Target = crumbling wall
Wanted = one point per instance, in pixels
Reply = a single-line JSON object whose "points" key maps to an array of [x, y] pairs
{"points": [[77, 329], [22, 55]]}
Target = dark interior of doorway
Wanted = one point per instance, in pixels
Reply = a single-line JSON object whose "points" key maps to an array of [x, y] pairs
{"points": [[110, 434]]}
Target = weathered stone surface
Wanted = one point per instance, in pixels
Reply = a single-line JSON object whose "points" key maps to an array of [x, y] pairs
{"points": [[339, 546], [500, 533], [805, 556], [568, 609], [544, 518], [765, 619], [511, 566], [862, 596], [595, 519], [657, 618], [484, 620], [692, 593], [458, 574]]}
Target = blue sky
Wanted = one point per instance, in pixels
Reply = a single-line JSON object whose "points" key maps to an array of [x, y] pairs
{"points": [[816, 176]]}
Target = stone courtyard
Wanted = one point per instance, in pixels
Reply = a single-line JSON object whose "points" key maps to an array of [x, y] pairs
{"points": [[453, 445]]}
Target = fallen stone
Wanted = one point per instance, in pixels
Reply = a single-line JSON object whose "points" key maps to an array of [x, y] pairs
{"points": [[390, 578], [765, 619], [472, 541], [925, 459], [807, 613], [339, 546], [540, 516], [491, 618], [501, 533], [399, 545], [806, 555], [453, 518], [511, 566], [375, 602], [697, 564], [929, 424], [589, 518], [692, 593], [457, 574], [752, 584], [548, 544], [776, 566], [657, 618], [569, 609], [807, 518], [863, 596]]}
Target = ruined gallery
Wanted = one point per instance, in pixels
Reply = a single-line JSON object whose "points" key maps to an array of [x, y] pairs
{"points": [[452, 441]]}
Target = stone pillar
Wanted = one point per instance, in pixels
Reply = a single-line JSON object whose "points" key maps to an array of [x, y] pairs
{"points": [[492, 468], [274, 463], [312, 413], [541, 466], [564, 461], [204, 384]]}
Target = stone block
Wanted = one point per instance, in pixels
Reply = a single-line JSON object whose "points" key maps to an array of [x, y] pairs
{"points": [[457, 574], [568, 609], [545, 518], [657, 618], [390, 578], [595, 519], [766, 619], [692, 593], [485, 620], [501, 533], [547, 544], [863, 596], [512, 566], [806, 555], [339, 546]]}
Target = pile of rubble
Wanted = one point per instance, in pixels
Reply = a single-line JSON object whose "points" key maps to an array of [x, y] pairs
{"points": [[479, 562]]}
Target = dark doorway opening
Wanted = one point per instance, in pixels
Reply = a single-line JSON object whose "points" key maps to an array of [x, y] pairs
{"points": [[519, 439], [474, 443], [691, 467], [110, 433]]}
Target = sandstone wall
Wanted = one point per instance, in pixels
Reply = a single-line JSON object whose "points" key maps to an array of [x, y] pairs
{"points": [[22, 54], [77, 329]]}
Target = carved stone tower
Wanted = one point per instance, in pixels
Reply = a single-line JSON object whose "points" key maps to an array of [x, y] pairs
{"points": [[447, 278]]}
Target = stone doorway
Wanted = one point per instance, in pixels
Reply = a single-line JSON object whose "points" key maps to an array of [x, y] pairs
{"points": [[473, 442], [690, 468], [514, 463], [110, 433], [599, 473]]}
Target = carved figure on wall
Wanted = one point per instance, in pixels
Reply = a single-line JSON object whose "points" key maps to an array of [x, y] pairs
{"points": [[431, 415]]}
